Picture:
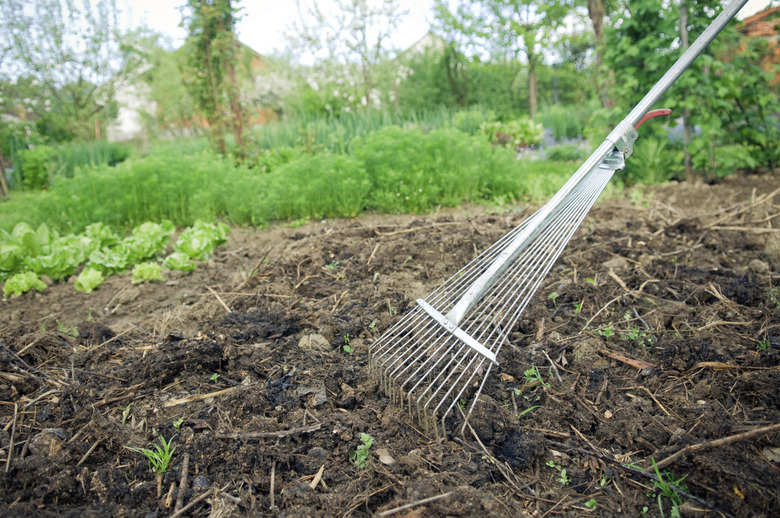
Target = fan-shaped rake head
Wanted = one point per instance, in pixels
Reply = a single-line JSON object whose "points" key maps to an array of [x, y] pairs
{"points": [[438, 356]]}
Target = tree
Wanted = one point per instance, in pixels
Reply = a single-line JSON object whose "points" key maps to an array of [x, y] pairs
{"points": [[354, 33], [597, 12], [724, 94], [160, 80], [509, 29], [211, 70], [61, 62]]}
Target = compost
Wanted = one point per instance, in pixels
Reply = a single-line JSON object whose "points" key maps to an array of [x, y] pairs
{"points": [[655, 338]]}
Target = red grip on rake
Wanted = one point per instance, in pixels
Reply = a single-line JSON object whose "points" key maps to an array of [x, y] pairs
{"points": [[652, 113]]}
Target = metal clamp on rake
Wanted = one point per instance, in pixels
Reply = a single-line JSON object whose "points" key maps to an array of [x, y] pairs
{"points": [[443, 350]]}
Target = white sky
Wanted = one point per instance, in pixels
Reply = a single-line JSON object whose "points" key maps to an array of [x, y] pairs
{"points": [[263, 21]]}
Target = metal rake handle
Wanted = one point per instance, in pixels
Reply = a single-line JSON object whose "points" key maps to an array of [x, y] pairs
{"points": [[621, 139]]}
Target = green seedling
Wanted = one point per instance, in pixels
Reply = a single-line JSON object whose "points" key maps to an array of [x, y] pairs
{"points": [[177, 424], [372, 325], [67, 330], [554, 297], [533, 375], [521, 414], [591, 504], [409, 258], [578, 308], [462, 404], [214, 377], [390, 308], [563, 478], [763, 345], [664, 488], [360, 456], [591, 281], [159, 459], [332, 266], [347, 348], [607, 332]]}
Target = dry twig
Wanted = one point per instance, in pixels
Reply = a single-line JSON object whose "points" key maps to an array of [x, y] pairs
{"points": [[716, 443]]}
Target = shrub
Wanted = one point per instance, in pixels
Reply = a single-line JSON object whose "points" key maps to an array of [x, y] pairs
{"points": [[319, 186], [566, 153], [413, 171], [517, 133], [37, 167]]}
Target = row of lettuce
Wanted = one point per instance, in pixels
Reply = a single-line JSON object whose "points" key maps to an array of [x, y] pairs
{"points": [[28, 255]]}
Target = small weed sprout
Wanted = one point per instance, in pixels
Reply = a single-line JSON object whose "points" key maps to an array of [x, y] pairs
{"points": [[214, 377], [390, 308], [533, 375], [159, 459], [762, 345], [607, 332], [347, 348], [177, 424], [663, 487], [372, 325], [578, 308], [591, 504], [563, 478], [554, 298], [527, 410], [462, 404], [360, 456], [332, 266], [591, 281], [67, 330]]}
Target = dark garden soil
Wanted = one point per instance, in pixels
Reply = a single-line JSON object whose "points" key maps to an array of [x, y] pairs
{"points": [[663, 343]]}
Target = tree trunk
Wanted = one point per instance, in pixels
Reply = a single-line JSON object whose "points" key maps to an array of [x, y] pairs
{"points": [[532, 88], [3, 185], [235, 106], [596, 13], [687, 130]]}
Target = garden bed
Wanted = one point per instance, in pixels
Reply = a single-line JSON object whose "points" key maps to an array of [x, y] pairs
{"points": [[663, 334]]}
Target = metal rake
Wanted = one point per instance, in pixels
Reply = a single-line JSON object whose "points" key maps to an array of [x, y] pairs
{"points": [[445, 347]]}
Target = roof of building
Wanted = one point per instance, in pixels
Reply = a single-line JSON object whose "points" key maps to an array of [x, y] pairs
{"points": [[763, 23]]}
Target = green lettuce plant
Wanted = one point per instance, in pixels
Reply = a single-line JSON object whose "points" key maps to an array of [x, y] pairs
{"points": [[147, 271], [88, 280], [22, 283]]}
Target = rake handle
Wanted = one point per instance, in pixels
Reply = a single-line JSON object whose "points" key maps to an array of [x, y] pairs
{"points": [[621, 138]]}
